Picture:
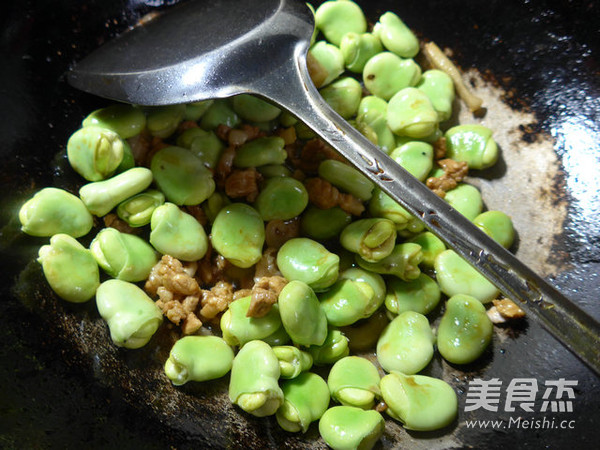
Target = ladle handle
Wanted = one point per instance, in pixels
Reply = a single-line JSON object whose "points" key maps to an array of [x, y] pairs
{"points": [[578, 331]]}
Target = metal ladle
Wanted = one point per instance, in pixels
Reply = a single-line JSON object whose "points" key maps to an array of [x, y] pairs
{"points": [[203, 50]]}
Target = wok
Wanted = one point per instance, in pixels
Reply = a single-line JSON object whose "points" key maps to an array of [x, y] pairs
{"points": [[64, 385]]}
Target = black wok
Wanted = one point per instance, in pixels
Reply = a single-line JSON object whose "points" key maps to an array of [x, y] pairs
{"points": [[63, 385]]}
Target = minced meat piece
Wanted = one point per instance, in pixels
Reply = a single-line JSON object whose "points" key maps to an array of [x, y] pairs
{"points": [[216, 300], [243, 184], [264, 295], [454, 173], [278, 232]]}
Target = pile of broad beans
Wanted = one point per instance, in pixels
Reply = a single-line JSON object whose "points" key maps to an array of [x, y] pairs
{"points": [[358, 277]]}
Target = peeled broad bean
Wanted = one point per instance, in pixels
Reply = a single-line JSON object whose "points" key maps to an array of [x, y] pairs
{"points": [[220, 112], [334, 348], [177, 233], [238, 234], [292, 360], [194, 111], [274, 170], [100, 197], [308, 261], [386, 73], [358, 48], [420, 402], [301, 314], [239, 329], [410, 113], [125, 120], [162, 121], [52, 211], [94, 152], [346, 178], [281, 198], [343, 95], [416, 157], [431, 246], [456, 276], [336, 18], [325, 63], [420, 295], [396, 36], [466, 199], [131, 315], [382, 205], [403, 262], [373, 238], [498, 226], [123, 256], [347, 301], [374, 280], [254, 109], [406, 344], [305, 399], [354, 381], [348, 427], [182, 176], [69, 268], [260, 152], [128, 161], [465, 330], [473, 144], [213, 205], [137, 210], [198, 358], [439, 87], [254, 375], [372, 112], [319, 223]]}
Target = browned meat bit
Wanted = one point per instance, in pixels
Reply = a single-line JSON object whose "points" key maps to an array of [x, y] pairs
{"points": [[216, 300], [504, 310], [454, 173], [197, 212], [170, 274], [313, 153], [112, 220], [237, 137], [211, 268], [222, 131], [264, 295], [322, 193], [439, 148], [381, 406], [267, 266], [224, 165], [243, 184], [186, 125], [140, 146], [351, 204], [299, 175], [278, 232], [287, 134], [179, 310], [241, 293]]}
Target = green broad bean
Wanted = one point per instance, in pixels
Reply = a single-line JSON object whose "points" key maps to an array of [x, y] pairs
{"points": [[324, 224], [403, 262], [416, 157], [334, 348], [396, 36], [420, 402], [303, 132], [456, 276], [186, 137], [53, 211], [100, 197], [292, 360], [162, 121], [410, 113], [309, 261], [382, 205], [207, 148], [198, 358], [123, 256], [176, 233], [431, 246], [194, 111], [354, 381], [128, 161], [238, 234], [325, 63], [406, 344], [213, 205], [498, 226], [131, 315], [439, 87], [261, 152], [348, 427], [336, 18], [372, 112], [238, 329], [346, 178], [281, 198], [287, 119], [372, 239], [358, 48], [69, 268], [254, 109], [94, 152], [125, 120], [473, 144], [465, 330], [137, 210], [181, 176], [466, 199], [278, 338], [219, 113], [347, 301], [274, 171], [254, 375], [374, 280], [301, 314], [420, 295], [386, 73], [306, 399], [343, 95]]}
